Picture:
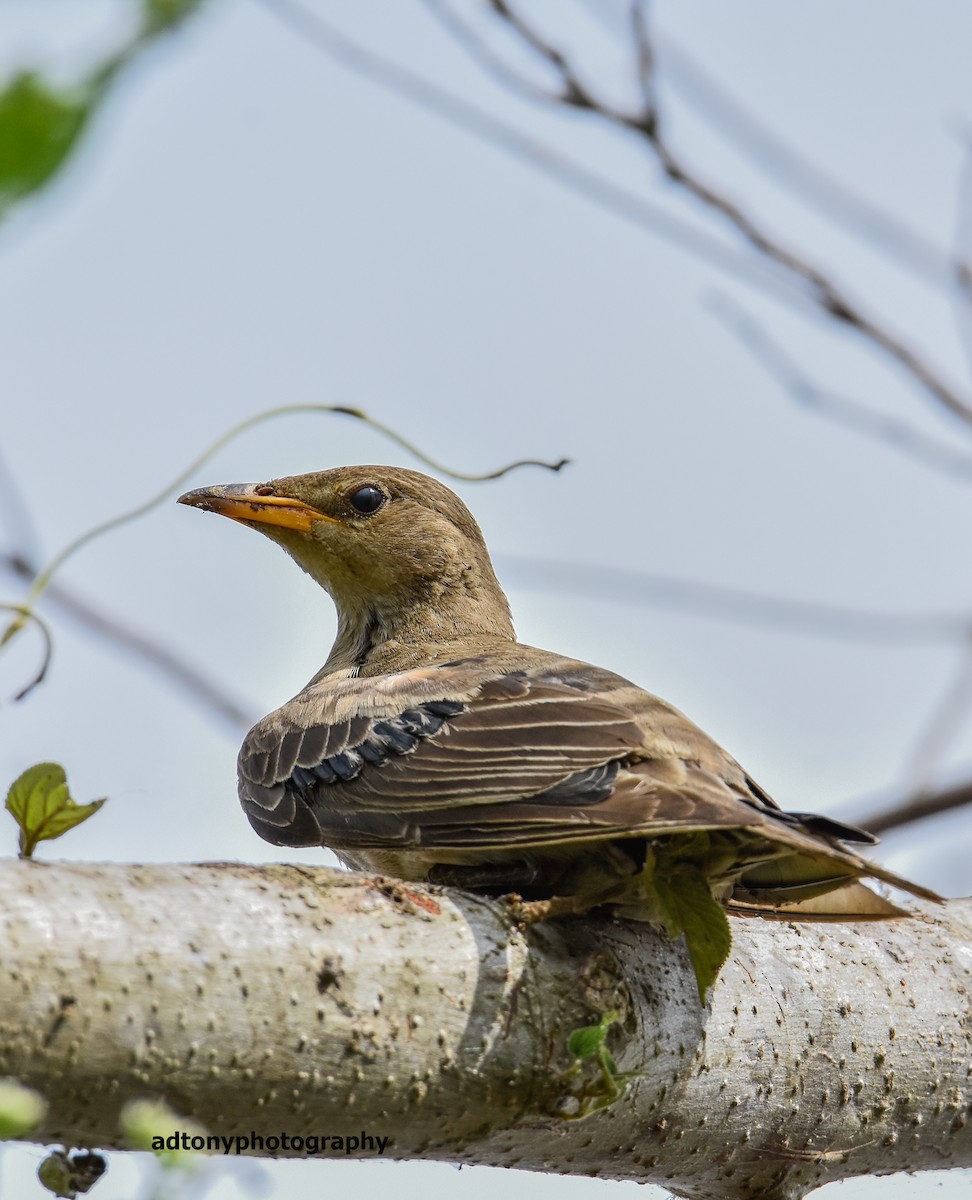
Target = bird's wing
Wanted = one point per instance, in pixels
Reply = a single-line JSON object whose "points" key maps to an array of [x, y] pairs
{"points": [[361, 758], [456, 758]]}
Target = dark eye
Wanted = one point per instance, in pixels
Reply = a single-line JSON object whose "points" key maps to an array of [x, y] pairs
{"points": [[366, 500]]}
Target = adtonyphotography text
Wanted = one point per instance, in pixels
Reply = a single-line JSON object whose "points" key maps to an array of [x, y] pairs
{"points": [[256, 1143]]}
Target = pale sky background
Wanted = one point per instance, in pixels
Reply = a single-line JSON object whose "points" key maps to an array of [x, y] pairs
{"points": [[249, 224]]}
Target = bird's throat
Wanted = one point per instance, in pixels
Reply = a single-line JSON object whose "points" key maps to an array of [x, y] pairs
{"points": [[371, 641]]}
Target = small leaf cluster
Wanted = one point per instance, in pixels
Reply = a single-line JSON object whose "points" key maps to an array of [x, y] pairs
{"points": [[42, 806], [587, 1090]]}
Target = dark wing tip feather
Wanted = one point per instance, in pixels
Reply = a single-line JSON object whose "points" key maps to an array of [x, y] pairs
{"points": [[828, 827]]}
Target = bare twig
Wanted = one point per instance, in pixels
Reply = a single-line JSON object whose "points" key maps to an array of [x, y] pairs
{"points": [[817, 287], [781, 158], [813, 286], [897, 435]]}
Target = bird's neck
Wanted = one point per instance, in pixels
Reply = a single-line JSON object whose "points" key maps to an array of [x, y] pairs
{"points": [[374, 639]]}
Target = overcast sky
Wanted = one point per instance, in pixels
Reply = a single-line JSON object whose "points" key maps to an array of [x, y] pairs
{"points": [[251, 224]]}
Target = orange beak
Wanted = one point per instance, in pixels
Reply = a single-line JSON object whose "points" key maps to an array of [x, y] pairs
{"points": [[243, 502]]}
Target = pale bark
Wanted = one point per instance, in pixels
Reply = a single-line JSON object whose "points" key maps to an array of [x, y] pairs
{"points": [[315, 1002]]}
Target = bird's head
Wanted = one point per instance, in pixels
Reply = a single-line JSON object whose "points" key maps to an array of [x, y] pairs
{"points": [[400, 553]]}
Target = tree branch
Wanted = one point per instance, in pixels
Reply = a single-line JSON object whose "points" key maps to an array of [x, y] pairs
{"points": [[817, 286], [285, 999]]}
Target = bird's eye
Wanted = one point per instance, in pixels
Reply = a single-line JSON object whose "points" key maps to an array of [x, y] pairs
{"points": [[366, 500]]}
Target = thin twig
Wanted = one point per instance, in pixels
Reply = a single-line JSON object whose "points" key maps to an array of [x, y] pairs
{"points": [[781, 158], [824, 293], [815, 287], [888, 431]]}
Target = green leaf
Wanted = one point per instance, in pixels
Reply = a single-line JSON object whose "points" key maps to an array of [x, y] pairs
{"points": [[38, 127], [586, 1041], [165, 14], [686, 905], [41, 123], [40, 803]]}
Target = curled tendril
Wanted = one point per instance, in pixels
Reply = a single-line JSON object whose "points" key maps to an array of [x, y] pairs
{"points": [[44, 577], [412, 449], [26, 610], [24, 616]]}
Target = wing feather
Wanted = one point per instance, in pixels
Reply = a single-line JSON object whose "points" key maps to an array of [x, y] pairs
{"points": [[461, 762]]}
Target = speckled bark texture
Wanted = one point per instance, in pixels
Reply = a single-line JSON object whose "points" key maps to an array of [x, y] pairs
{"points": [[314, 1002]]}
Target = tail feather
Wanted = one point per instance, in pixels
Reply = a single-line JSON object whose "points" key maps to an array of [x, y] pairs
{"points": [[849, 900], [806, 875]]}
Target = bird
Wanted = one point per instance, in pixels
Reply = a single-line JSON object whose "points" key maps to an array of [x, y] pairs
{"points": [[434, 747]]}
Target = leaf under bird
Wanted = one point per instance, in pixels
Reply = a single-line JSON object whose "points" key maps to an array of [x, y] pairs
{"points": [[433, 746]]}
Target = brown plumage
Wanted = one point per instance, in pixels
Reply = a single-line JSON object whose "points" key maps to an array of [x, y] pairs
{"points": [[432, 745]]}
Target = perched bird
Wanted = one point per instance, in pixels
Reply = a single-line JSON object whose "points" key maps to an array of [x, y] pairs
{"points": [[435, 747]]}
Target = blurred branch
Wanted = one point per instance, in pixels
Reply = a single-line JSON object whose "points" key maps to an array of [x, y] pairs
{"points": [[816, 286], [494, 64], [17, 516], [731, 604], [812, 285], [20, 562], [947, 719], [539, 156], [809, 182], [921, 800], [961, 267], [898, 435], [917, 808], [203, 691]]}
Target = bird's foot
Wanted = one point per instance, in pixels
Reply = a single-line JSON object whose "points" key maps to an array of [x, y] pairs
{"points": [[528, 912]]}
